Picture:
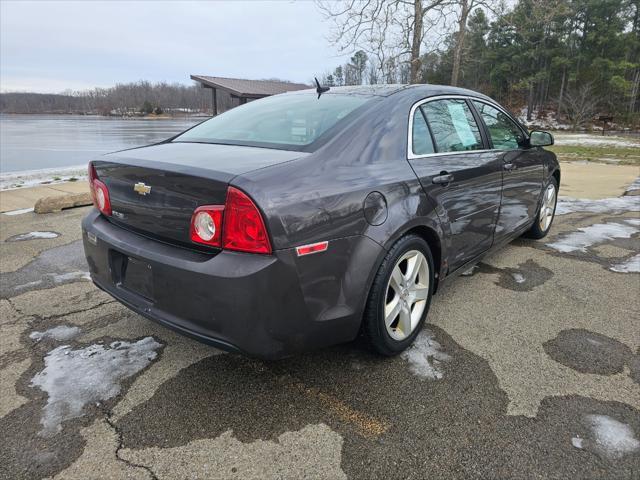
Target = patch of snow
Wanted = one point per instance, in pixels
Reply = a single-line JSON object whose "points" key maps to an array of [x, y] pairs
{"points": [[75, 378], [586, 139], [47, 176], [576, 442], [518, 277], [32, 236], [470, 272], [67, 277], [613, 438], [603, 205], [630, 266], [27, 285], [591, 235], [61, 332], [425, 356], [19, 211], [634, 186]]}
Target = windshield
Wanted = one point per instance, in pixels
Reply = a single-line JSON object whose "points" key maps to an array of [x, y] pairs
{"points": [[287, 121]]}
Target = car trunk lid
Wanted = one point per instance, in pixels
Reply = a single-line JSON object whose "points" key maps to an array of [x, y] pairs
{"points": [[155, 190]]}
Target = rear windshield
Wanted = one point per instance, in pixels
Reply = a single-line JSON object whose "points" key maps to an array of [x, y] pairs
{"points": [[289, 121]]}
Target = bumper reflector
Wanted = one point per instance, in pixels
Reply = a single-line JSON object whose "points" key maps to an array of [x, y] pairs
{"points": [[312, 248]]}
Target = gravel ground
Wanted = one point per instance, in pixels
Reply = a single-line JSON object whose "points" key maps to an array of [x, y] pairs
{"points": [[529, 368]]}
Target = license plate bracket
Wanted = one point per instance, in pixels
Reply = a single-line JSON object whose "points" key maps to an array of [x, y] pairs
{"points": [[133, 274]]}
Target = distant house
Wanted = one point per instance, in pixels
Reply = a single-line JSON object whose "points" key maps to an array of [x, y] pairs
{"points": [[227, 93]]}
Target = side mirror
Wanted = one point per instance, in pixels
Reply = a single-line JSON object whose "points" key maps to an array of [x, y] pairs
{"points": [[539, 138]]}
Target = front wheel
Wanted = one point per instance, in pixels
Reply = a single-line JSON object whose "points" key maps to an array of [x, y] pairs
{"points": [[400, 296], [546, 212]]}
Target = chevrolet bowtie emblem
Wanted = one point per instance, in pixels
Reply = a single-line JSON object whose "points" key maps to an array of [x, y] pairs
{"points": [[141, 188]]}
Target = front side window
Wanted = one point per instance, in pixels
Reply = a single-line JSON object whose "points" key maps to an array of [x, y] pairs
{"points": [[288, 121], [452, 124], [422, 143], [504, 133]]}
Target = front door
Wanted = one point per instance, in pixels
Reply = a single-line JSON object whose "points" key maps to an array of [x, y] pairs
{"points": [[447, 152], [522, 170]]}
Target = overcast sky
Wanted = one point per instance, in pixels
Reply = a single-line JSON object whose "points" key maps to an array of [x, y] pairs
{"points": [[51, 46]]}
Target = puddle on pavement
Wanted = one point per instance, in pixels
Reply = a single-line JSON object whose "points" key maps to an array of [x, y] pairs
{"points": [[32, 236], [589, 352], [524, 278], [51, 268]]}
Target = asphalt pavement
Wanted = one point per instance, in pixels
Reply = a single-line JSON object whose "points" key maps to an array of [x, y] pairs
{"points": [[529, 367]]}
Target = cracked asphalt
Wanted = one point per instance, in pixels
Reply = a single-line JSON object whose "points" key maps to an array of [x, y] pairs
{"points": [[529, 368]]}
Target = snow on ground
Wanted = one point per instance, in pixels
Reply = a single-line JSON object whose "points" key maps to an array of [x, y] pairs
{"points": [[75, 378], [425, 356], [61, 332], [630, 266], [32, 236], [19, 211], [610, 437], [595, 140], [634, 186], [629, 203], [32, 178], [593, 234], [518, 277], [70, 276]]}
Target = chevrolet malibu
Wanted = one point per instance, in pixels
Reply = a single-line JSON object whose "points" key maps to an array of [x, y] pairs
{"points": [[301, 220]]}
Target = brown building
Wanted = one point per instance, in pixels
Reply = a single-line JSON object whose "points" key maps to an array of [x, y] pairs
{"points": [[227, 93]]}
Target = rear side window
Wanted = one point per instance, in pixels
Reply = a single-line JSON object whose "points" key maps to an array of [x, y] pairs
{"points": [[452, 124], [422, 143], [504, 133]]}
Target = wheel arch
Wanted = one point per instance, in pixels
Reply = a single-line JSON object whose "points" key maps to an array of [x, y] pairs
{"points": [[435, 245]]}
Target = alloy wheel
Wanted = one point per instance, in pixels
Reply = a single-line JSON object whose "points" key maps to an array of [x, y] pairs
{"points": [[548, 207], [406, 294]]}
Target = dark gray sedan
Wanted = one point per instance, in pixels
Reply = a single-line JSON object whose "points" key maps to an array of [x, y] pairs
{"points": [[300, 220]]}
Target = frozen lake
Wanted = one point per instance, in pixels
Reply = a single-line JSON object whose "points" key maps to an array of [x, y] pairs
{"points": [[34, 142]]}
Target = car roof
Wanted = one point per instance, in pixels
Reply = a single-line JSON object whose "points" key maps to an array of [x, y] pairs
{"points": [[385, 90]]}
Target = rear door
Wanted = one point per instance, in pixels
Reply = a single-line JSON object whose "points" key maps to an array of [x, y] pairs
{"points": [[448, 152], [522, 169]]}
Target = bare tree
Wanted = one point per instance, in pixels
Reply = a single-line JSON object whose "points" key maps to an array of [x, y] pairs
{"points": [[392, 30], [580, 106]]}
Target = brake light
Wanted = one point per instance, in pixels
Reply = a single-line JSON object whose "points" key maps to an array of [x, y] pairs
{"points": [[243, 229], [99, 192], [236, 225], [206, 225]]}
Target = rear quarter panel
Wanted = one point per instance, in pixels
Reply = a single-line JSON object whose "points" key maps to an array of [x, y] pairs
{"points": [[321, 197]]}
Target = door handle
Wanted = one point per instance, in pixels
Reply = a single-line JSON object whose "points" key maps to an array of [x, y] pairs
{"points": [[443, 179], [509, 166]]}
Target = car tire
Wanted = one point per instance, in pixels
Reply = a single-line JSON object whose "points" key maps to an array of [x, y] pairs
{"points": [[541, 226], [404, 255]]}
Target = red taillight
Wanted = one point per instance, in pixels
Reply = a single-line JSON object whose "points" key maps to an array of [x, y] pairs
{"points": [[206, 225], [236, 225], [99, 192], [243, 229]]}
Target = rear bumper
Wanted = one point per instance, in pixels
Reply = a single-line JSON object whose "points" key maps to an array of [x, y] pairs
{"points": [[267, 306]]}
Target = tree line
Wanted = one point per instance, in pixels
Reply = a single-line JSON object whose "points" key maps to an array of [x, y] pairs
{"points": [[575, 58], [123, 99]]}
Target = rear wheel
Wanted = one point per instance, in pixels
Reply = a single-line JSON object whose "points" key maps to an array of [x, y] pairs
{"points": [[546, 212], [400, 296]]}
